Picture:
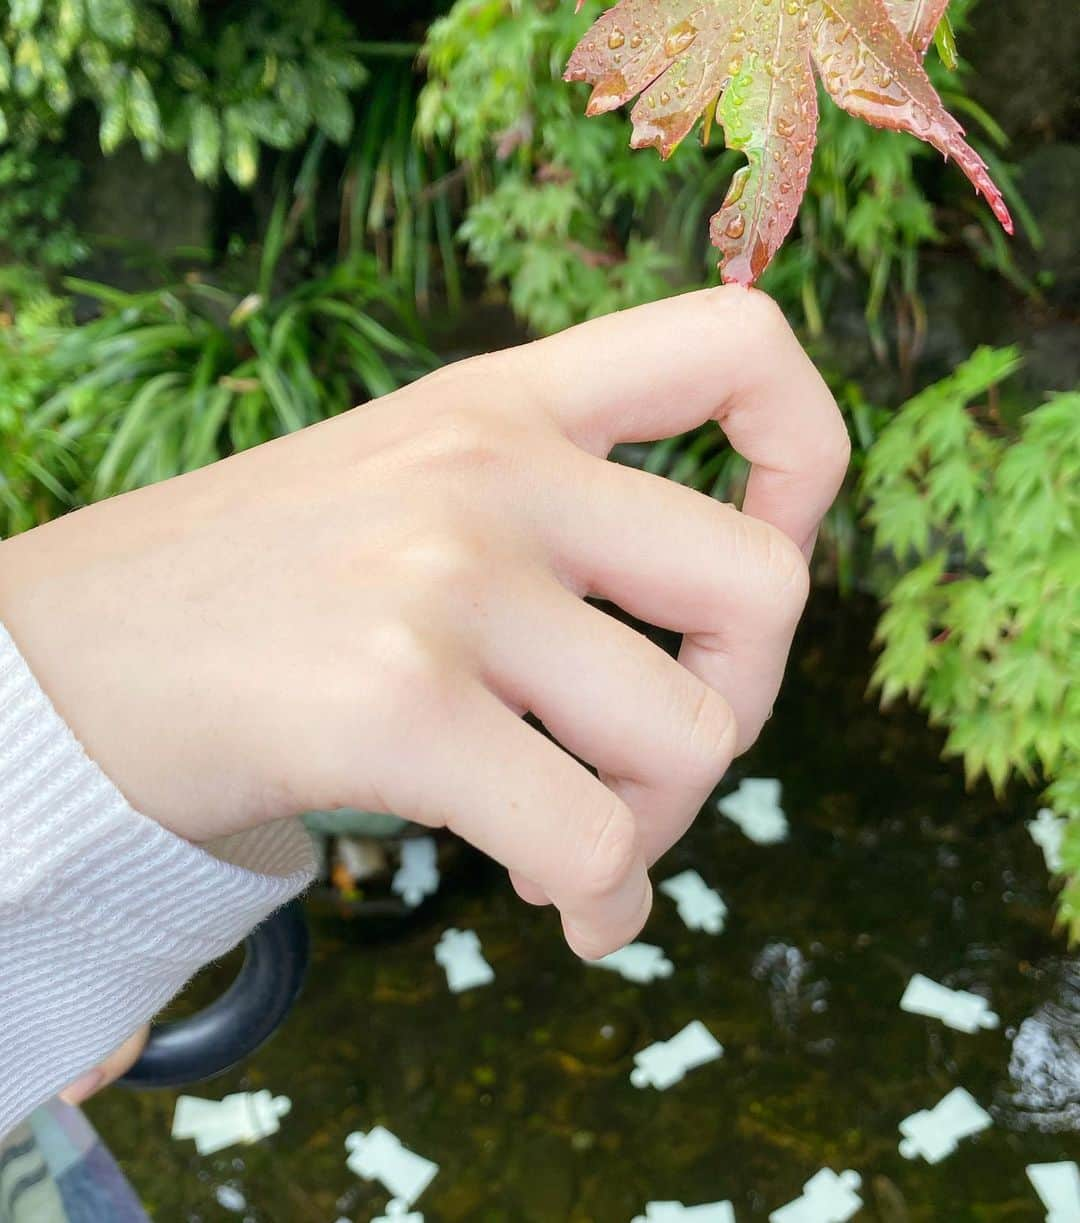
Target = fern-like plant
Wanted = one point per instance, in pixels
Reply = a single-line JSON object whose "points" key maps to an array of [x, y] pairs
{"points": [[982, 625], [572, 222]]}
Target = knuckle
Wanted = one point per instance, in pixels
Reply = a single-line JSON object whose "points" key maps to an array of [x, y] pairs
{"points": [[787, 575], [614, 852], [836, 457], [447, 557], [711, 733], [453, 436], [497, 383], [763, 322], [416, 684], [463, 437], [460, 386]]}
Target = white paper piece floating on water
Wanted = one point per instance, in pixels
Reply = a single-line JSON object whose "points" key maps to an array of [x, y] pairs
{"points": [[379, 1155], [676, 1212], [755, 808], [667, 1062], [826, 1198], [935, 1133], [956, 1008], [700, 906], [245, 1117], [395, 1213], [638, 962], [458, 951], [1058, 1187], [418, 876], [1048, 832]]}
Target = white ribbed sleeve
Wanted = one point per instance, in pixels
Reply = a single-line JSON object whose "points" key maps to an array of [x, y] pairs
{"points": [[104, 915]]}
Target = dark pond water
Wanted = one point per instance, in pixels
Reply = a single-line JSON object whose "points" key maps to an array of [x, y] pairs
{"points": [[521, 1090]]}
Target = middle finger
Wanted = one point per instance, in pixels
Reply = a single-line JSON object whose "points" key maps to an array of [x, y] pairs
{"points": [[659, 736], [673, 557]]}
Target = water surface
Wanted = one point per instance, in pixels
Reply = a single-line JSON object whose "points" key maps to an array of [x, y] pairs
{"points": [[521, 1090]]}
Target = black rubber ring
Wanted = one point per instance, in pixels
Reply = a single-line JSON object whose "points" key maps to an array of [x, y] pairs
{"points": [[242, 1020]]}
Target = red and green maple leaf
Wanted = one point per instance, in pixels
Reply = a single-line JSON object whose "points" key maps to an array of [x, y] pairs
{"points": [[759, 57]]}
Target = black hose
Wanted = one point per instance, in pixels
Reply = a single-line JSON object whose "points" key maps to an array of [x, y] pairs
{"points": [[242, 1019]]}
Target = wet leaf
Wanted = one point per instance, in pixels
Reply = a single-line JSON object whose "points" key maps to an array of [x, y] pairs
{"points": [[760, 59], [917, 20]]}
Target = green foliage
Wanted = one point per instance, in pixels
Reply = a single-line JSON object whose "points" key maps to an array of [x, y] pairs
{"points": [[34, 188], [398, 197], [982, 627], [214, 80], [561, 211], [38, 468], [703, 460], [1069, 900], [764, 63], [565, 215], [175, 378], [867, 212]]}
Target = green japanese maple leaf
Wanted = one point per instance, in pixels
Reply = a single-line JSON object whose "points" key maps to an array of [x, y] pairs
{"points": [[759, 57]]}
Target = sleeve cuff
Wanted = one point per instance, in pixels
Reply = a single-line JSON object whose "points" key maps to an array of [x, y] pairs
{"points": [[104, 914]]}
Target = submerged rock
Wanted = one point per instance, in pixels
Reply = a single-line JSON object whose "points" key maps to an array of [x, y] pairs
{"points": [[1045, 1062], [793, 992]]}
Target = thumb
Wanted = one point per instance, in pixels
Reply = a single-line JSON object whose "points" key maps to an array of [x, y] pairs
{"points": [[113, 1068]]}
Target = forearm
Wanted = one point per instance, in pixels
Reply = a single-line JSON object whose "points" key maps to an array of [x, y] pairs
{"points": [[104, 915], [358, 614]]}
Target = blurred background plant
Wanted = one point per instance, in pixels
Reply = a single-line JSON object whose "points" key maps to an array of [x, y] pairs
{"points": [[39, 470], [978, 503], [277, 210], [216, 81], [180, 376], [561, 207], [572, 223]]}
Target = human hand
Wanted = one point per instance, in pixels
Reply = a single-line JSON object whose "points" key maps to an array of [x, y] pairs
{"points": [[113, 1068], [356, 615]]}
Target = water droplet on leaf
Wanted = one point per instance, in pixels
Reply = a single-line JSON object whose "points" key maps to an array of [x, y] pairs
{"points": [[679, 38]]}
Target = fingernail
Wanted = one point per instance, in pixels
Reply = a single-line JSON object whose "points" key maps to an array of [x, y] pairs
{"points": [[83, 1088]]}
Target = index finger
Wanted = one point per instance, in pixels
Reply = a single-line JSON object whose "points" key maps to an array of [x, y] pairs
{"points": [[724, 354]]}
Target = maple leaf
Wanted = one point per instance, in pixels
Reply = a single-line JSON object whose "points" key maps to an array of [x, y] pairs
{"points": [[759, 57], [917, 20]]}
